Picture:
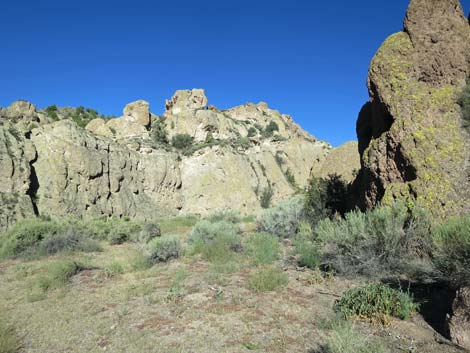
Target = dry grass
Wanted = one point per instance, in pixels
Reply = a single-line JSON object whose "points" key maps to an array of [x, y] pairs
{"points": [[185, 305]]}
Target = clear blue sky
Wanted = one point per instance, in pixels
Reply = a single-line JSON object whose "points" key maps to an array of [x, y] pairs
{"points": [[305, 58]]}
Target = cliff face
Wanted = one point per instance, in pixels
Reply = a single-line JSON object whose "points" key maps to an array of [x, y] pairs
{"points": [[411, 141], [67, 162]]}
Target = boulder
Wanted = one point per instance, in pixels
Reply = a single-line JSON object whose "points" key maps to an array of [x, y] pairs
{"points": [[343, 161], [410, 137], [138, 112], [184, 100]]}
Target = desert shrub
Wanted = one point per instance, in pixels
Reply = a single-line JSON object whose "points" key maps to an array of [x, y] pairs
{"points": [[290, 178], [325, 198], [267, 279], [284, 219], [263, 248], [227, 216], [182, 141], [148, 232], [159, 134], [452, 250], [59, 274], [215, 241], [346, 339], [164, 248], [69, 240], [115, 231], [43, 237], [51, 112], [464, 101], [25, 236], [266, 196], [113, 269], [270, 128], [252, 132], [8, 341], [376, 301], [307, 252], [384, 240]]}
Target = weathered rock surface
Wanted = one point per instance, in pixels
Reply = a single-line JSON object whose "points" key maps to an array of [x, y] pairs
{"points": [[117, 167], [343, 161], [16, 179], [459, 323], [410, 137], [84, 176]]}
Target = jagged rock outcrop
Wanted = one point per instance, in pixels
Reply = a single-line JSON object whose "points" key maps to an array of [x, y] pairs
{"points": [[134, 123], [410, 137], [117, 167], [459, 323]]}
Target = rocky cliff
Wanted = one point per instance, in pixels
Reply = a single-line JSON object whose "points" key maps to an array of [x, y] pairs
{"points": [[70, 162], [410, 134]]}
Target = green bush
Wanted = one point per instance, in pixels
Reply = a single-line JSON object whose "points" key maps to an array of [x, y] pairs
{"points": [[182, 141], [148, 232], [452, 250], [263, 248], [325, 198], [115, 231], [266, 196], [113, 269], [291, 178], [381, 241], [164, 248], [345, 339], [42, 237], [267, 279], [215, 241], [307, 253], [59, 274], [376, 301], [159, 134], [51, 112], [464, 101], [8, 341], [270, 128], [252, 132], [284, 219]]}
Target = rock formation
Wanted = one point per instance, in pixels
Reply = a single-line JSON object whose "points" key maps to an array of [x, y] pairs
{"points": [[410, 137], [343, 161], [116, 167]]}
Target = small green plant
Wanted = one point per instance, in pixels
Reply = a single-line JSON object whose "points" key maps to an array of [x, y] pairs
{"points": [[270, 128], [51, 112], [182, 141], [59, 274], [345, 339], [307, 253], [215, 241], [252, 132], [263, 248], [284, 219], [291, 178], [159, 134], [376, 301], [267, 279], [266, 196], [452, 250], [164, 248], [113, 269], [8, 341]]}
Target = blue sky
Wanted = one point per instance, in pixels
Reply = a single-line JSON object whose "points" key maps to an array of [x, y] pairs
{"points": [[305, 58]]}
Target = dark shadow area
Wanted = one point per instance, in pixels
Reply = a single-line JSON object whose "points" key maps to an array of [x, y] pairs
{"points": [[434, 299], [33, 187]]}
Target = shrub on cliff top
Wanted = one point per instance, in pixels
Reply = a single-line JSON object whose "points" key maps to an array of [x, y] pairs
{"points": [[464, 101]]}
